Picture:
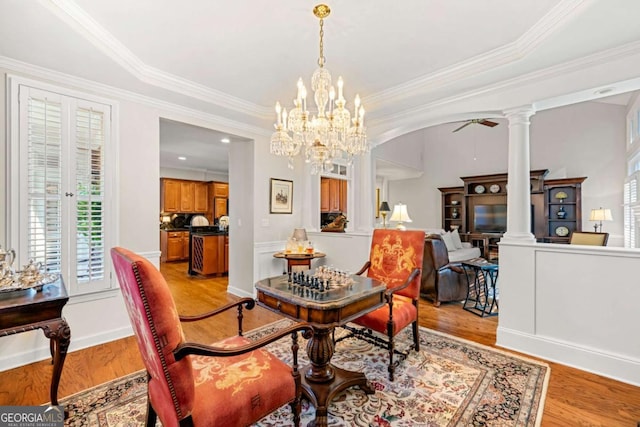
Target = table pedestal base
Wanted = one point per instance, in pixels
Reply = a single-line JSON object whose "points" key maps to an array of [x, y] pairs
{"points": [[321, 393]]}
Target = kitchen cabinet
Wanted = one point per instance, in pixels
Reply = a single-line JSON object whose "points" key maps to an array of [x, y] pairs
{"points": [[169, 195], [187, 196], [219, 194], [174, 246], [209, 254], [201, 197], [324, 195], [183, 196], [220, 189], [219, 207], [226, 254], [333, 195]]}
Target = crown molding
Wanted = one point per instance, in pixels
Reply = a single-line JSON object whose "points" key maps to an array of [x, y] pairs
{"points": [[216, 122], [86, 26], [417, 114], [555, 19]]}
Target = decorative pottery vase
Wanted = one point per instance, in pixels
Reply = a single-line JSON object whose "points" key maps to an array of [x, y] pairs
{"points": [[561, 213], [454, 213]]}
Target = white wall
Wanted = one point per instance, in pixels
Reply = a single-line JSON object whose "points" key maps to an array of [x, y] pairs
{"points": [[585, 139], [576, 305], [138, 171]]}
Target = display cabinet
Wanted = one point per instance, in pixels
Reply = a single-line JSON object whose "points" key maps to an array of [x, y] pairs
{"points": [[453, 208], [563, 208]]}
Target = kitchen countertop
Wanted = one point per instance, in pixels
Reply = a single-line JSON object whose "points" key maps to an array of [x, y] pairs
{"points": [[210, 233]]}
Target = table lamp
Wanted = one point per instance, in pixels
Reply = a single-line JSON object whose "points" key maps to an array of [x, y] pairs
{"points": [[400, 215], [600, 215], [300, 234], [384, 210]]}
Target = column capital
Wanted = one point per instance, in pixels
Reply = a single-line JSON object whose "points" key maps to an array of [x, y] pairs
{"points": [[519, 115]]}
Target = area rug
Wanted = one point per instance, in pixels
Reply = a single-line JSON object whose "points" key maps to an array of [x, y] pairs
{"points": [[450, 382]]}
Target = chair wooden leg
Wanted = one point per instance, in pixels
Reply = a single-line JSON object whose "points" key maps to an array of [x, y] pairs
{"points": [[151, 414], [416, 336], [295, 409], [391, 349]]}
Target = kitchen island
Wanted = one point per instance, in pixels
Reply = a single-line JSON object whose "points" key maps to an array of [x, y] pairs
{"points": [[208, 252]]}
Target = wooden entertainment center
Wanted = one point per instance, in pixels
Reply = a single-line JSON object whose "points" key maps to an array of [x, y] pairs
{"points": [[478, 208]]}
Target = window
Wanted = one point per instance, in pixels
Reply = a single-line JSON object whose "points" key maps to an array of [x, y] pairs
{"points": [[60, 146]]}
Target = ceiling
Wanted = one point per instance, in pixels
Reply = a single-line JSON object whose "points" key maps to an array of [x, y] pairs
{"points": [[414, 62], [184, 146]]}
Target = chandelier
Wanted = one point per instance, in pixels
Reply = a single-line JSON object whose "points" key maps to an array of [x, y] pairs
{"points": [[329, 135]]}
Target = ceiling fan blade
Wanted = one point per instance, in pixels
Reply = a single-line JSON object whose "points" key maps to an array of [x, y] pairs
{"points": [[463, 126], [488, 123]]}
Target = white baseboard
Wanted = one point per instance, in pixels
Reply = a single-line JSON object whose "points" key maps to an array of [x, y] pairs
{"points": [[42, 353], [614, 366], [239, 292]]}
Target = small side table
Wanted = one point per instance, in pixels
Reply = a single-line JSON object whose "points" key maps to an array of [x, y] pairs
{"points": [[481, 294], [298, 259], [27, 310]]}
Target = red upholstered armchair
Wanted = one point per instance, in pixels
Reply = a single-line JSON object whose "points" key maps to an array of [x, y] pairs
{"points": [[230, 383], [395, 259]]}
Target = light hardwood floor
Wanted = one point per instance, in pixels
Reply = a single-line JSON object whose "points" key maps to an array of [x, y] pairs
{"points": [[574, 397]]}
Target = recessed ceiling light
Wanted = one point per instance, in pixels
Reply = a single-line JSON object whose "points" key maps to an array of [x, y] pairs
{"points": [[182, 158], [225, 140]]}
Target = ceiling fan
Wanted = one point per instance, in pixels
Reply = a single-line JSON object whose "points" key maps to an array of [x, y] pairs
{"points": [[484, 122]]}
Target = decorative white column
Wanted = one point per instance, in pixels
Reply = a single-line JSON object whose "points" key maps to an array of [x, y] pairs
{"points": [[310, 214], [362, 217], [519, 181]]}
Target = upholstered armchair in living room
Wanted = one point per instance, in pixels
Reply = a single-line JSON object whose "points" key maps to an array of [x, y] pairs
{"points": [[442, 281], [234, 382], [396, 260]]}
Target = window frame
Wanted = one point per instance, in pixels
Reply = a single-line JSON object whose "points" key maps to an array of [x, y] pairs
{"points": [[14, 183]]}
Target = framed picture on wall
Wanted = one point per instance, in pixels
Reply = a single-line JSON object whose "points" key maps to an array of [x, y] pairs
{"points": [[281, 196]]}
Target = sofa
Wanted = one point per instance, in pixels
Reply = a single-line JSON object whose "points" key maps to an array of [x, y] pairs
{"points": [[444, 279]]}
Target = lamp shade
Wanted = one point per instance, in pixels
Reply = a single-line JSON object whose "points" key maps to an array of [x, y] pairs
{"points": [[384, 207], [300, 234], [400, 215], [600, 215]]}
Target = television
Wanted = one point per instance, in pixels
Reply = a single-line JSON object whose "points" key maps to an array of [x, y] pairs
{"points": [[490, 218]]}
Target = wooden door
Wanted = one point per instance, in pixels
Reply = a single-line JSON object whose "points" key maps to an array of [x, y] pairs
{"points": [[220, 207], [324, 195], [187, 195], [201, 197], [170, 193]]}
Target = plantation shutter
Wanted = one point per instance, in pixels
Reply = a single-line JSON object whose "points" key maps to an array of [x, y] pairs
{"points": [[631, 199], [44, 181], [90, 232], [63, 142]]}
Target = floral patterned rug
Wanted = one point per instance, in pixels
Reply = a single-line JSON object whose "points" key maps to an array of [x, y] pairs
{"points": [[450, 382]]}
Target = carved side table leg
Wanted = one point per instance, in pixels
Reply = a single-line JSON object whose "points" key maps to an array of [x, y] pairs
{"points": [[59, 333]]}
